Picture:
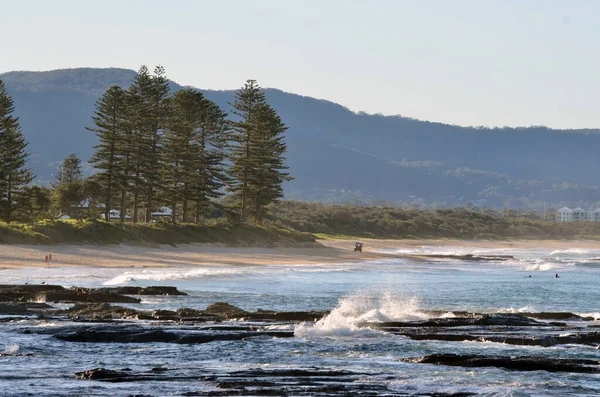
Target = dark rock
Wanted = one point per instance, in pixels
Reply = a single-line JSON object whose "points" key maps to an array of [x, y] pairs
{"points": [[285, 316], [77, 294], [99, 311], [511, 363], [557, 316], [592, 338], [100, 374], [57, 293], [484, 320], [470, 257], [152, 290], [225, 310], [23, 308], [152, 336]]}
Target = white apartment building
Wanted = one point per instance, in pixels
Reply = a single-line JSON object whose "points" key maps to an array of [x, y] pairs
{"points": [[565, 214]]}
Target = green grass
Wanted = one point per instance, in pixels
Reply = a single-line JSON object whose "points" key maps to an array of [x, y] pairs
{"points": [[100, 232]]}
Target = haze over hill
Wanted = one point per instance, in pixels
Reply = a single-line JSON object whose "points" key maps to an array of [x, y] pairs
{"points": [[340, 156]]}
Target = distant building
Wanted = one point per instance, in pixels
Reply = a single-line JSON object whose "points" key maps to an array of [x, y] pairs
{"points": [[565, 214], [115, 214], [165, 213]]}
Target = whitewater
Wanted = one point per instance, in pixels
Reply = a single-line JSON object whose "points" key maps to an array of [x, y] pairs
{"points": [[354, 294]]}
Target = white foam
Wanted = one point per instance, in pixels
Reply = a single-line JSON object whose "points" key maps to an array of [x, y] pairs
{"points": [[544, 266], [594, 315], [578, 251], [346, 318], [171, 274], [524, 309], [11, 349]]}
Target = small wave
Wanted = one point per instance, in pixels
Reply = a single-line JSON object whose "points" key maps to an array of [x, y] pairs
{"points": [[594, 315], [158, 275], [524, 309], [577, 251], [592, 264], [346, 318], [541, 266]]}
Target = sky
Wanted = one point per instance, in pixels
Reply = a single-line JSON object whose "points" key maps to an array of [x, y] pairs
{"points": [[465, 62]]}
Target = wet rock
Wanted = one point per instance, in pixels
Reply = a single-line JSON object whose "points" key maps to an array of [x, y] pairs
{"points": [[483, 320], [470, 257], [512, 363], [100, 374], [567, 316], [152, 290], [152, 336], [57, 293], [267, 315], [97, 311], [225, 310], [78, 294], [592, 338], [23, 308]]}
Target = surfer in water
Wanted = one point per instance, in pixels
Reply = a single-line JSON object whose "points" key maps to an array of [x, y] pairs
{"points": [[556, 275]]}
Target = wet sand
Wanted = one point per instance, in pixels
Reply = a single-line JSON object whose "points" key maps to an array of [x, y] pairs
{"points": [[333, 251]]}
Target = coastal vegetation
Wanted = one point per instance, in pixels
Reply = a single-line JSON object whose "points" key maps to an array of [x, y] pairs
{"points": [[295, 223], [157, 153]]}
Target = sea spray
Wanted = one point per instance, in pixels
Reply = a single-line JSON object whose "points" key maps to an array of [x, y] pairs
{"points": [[11, 349], [348, 317]]}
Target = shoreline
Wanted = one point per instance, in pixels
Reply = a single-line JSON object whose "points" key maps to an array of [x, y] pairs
{"points": [[331, 251]]}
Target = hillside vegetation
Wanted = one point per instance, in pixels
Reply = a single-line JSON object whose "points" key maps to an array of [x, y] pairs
{"points": [[338, 156], [459, 223], [298, 224]]}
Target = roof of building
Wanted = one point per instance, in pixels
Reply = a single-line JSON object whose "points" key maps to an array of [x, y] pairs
{"points": [[565, 209], [164, 211]]}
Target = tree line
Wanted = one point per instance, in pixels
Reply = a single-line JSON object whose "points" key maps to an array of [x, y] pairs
{"points": [[156, 148]]}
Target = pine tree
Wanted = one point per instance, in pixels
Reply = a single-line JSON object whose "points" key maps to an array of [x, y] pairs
{"points": [[70, 170], [244, 134], [112, 153], [148, 112], [194, 152], [14, 176], [68, 190], [212, 137], [269, 149], [257, 154]]}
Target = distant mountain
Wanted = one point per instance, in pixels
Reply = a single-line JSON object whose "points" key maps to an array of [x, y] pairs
{"points": [[337, 155]]}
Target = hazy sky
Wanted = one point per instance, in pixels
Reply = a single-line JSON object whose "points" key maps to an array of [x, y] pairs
{"points": [[468, 62]]}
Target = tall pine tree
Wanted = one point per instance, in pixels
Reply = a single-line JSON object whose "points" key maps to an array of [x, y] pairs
{"points": [[14, 176], [148, 112], [243, 137], [194, 153], [257, 153], [112, 153], [269, 149]]}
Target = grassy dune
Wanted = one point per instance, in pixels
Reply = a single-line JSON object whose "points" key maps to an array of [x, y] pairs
{"points": [[99, 232]]}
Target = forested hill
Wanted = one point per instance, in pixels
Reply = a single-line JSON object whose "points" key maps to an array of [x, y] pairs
{"points": [[340, 156]]}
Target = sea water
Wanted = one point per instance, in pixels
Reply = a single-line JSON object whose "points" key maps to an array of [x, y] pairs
{"points": [[370, 291]]}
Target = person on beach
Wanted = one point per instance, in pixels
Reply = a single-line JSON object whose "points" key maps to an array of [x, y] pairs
{"points": [[46, 259], [50, 257]]}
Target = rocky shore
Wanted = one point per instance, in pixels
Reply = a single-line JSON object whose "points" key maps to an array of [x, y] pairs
{"points": [[93, 316]]}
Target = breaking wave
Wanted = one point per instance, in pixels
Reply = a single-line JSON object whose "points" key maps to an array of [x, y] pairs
{"points": [[352, 311], [541, 266], [172, 274]]}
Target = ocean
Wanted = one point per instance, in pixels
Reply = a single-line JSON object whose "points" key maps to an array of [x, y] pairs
{"points": [[395, 290]]}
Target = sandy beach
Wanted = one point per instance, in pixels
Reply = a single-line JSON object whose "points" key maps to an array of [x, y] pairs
{"points": [[333, 251]]}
